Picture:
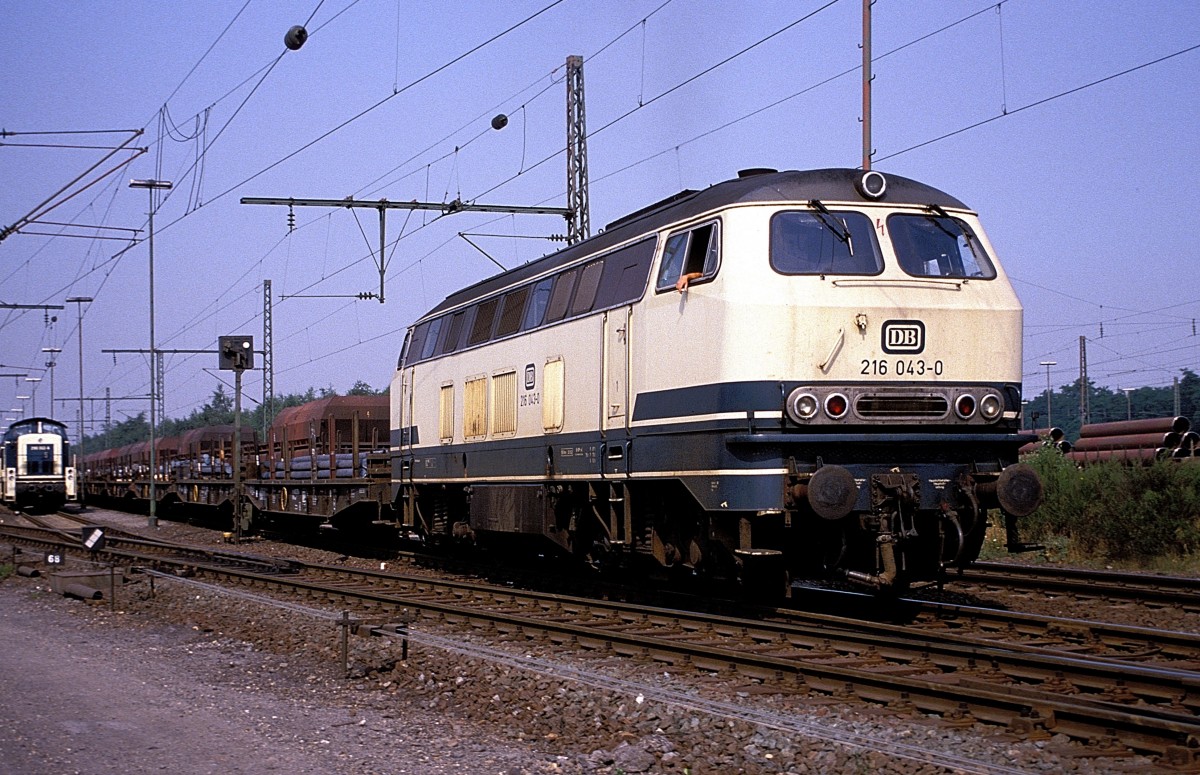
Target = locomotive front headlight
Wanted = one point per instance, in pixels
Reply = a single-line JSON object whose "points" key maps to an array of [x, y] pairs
{"points": [[802, 406], [872, 184], [990, 406], [836, 406], [964, 406]]}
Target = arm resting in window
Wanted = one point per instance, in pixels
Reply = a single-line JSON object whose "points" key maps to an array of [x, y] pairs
{"points": [[682, 284]]}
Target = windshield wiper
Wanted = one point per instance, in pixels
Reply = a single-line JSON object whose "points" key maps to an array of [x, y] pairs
{"points": [[962, 232], [832, 222]]}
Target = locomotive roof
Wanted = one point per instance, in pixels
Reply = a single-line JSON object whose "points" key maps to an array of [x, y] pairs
{"points": [[832, 185], [29, 424]]}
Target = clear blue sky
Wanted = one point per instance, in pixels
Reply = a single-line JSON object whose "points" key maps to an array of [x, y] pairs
{"points": [[1088, 197]]}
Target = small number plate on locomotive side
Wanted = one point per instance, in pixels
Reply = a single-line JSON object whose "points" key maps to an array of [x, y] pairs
{"points": [[901, 367]]}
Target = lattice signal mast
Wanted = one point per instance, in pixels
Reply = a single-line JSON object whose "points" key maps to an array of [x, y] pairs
{"points": [[268, 366], [579, 225], [1084, 409]]}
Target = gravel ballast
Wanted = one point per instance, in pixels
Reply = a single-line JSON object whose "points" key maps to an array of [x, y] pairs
{"points": [[195, 680]]}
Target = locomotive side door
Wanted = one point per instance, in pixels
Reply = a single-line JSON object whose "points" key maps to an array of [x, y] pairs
{"points": [[615, 418], [402, 456]]}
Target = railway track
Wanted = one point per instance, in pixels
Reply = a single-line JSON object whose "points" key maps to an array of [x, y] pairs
{"points": [[1108, 689], [1181, 591], [128, 548]]}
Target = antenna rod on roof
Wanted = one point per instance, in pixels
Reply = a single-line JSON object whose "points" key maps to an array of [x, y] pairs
{"points": [[866, 87]]}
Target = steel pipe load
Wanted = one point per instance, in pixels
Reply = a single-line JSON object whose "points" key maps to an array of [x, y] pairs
{"points": [[1131, 441], [1136, 441], [1131, 427], [1047, 437], [1134, 455]]}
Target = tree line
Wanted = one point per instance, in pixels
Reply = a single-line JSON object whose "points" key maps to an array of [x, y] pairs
{"points": [[1108, 405]]}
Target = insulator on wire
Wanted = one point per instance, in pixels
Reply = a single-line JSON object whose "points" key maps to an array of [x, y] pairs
{"points": [[295, 38], [291, 219]]}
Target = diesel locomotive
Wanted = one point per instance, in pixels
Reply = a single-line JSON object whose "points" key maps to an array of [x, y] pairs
{"points": [[37, 474], [799, 373]]}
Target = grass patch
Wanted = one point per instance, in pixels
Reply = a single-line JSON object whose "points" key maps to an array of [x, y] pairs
{"points": [[1115, 516]]}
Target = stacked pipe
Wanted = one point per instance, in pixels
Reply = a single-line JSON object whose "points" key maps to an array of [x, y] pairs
{"points": [[320, 467], [1136, 441], [1047, 437]]}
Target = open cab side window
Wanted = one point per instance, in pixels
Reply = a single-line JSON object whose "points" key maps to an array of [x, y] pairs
{"points": [[694, 254]]}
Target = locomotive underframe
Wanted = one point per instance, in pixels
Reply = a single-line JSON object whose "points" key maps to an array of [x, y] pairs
{"points": [[898, 521], [39, 495]]}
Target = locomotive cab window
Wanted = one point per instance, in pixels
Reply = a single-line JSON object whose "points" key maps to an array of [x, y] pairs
{"points": [[822, 242], [694, 254], [938, 246], [39, 460]]}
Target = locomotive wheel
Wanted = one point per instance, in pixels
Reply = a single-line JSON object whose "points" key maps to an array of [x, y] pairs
{"points": [[973, 539]]}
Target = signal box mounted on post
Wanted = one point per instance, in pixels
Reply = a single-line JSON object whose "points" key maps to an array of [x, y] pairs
{"points": [[93, 538], [236, 352]]}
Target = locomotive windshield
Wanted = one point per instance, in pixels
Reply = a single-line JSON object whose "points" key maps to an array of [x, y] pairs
{"points": [[806, 242], [39, 459], [938, 246], [35, 425]]}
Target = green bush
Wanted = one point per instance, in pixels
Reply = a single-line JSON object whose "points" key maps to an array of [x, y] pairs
{"points": [[1118, 512]]}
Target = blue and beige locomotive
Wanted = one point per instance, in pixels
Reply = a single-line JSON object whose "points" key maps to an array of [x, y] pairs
{"points": [[811, 373], [37, 475]]}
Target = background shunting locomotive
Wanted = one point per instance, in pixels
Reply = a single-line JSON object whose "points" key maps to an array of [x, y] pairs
{"points": [[37, 474]]}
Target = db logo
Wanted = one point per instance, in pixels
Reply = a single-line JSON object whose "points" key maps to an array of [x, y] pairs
{"points": [[905, 337]]}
